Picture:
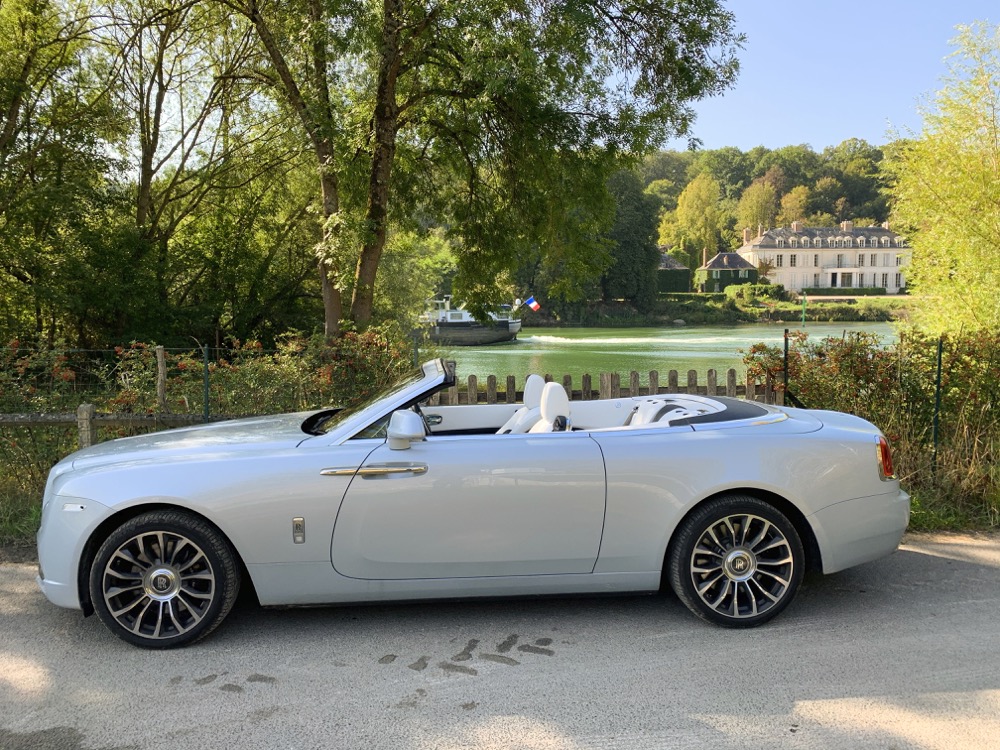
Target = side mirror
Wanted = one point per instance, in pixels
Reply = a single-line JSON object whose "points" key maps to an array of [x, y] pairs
{"points": [[405, 426]]}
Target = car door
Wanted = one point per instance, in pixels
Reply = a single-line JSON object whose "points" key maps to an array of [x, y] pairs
{"points": [[466, 506]]}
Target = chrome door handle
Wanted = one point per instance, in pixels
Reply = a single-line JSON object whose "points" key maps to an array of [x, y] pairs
{"points": [[345, 472], [378, 470], [434, 419], [375, 470]]}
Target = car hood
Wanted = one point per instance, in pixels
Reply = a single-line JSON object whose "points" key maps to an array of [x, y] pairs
{"points": [[254, 433]]}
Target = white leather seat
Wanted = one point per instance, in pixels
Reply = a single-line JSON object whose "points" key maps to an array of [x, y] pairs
{"points": [[658, 410], [555, 410], [525, 417]]}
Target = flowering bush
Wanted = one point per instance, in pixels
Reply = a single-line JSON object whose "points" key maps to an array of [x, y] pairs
{"points": [[954, 477], [303, 373]]}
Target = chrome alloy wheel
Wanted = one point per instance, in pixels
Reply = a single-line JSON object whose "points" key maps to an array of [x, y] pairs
{"points": [[158, 584], [742, 565]]}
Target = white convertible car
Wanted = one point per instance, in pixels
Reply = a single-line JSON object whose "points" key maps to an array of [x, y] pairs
{"points": [[726, 501]]}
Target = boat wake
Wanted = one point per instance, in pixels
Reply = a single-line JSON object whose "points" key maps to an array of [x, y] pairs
{"points": [[618, 341]]}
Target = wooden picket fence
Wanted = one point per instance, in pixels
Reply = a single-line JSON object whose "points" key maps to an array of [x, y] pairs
{"points": [[609, 385]]}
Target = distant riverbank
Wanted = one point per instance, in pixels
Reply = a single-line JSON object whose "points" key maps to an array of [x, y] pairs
{"points": [[574, 351], [716, 309]]}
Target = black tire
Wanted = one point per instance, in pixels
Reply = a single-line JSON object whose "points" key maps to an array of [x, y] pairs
{"points": [[164, 579], [736, 561]]}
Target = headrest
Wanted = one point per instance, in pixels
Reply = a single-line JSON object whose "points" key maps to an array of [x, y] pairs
{"points": [[533, 391], [555, 402]]}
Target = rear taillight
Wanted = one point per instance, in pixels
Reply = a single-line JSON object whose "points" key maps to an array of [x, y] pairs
{"points": [[885, 469]]}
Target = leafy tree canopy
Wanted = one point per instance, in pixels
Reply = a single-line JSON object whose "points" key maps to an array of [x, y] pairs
{"points": [[947, 188]]}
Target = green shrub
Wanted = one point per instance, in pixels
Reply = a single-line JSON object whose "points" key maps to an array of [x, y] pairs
{"points": [[851, 291], [957, 482]]}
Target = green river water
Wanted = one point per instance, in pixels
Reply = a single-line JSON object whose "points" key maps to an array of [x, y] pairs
{"points": [[575, 351]]}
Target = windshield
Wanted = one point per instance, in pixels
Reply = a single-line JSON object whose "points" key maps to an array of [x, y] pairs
{"points": [[323, 422]]}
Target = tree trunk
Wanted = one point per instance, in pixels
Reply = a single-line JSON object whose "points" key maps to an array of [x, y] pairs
{"points": [[386, 119], [333, 306]]}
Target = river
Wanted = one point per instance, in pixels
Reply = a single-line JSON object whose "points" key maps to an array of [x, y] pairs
{"points": [[575, 351]]}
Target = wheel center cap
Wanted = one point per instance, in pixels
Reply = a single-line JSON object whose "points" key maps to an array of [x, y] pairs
{"points": [[161, 584], [740, 564]]}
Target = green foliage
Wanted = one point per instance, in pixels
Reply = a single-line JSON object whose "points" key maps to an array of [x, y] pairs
{"points": [[894, 387], [753, 292], [302, 373], [695, 223], [635, 257], [758, 206], [947, 189], [844, 291]]}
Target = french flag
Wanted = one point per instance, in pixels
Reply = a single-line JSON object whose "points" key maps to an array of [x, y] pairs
{"points": [[530, 302]]}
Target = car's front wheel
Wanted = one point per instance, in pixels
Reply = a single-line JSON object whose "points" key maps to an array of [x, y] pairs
{"points": [[164, 579], [736, 561]]}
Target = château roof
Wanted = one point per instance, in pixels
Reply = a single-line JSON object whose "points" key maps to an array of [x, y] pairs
{"points": [[671, 264], [872, 234], [727, 262]]}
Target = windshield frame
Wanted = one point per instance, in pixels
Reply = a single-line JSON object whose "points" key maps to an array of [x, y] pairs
{"points": [[410, 389]]}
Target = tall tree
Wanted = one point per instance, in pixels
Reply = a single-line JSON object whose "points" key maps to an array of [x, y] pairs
{"points": [[696, 222], [635, 257], [55, 124], [492, 105], [794, 205], [758, 206], [947, 190]]}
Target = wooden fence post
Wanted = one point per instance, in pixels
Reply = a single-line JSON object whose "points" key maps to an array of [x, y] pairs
{"points": [[586, 388], [672, 382], [692, 381], [473, 391], [731, 383], [633, 384], [616, 385], [511, 394], [713, 385], [605, 385], [654, 382], [568, 386], [491, 389], [85, 424]]}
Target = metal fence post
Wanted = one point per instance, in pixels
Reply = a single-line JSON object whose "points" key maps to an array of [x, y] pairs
{"points": [[205, 411], [937, 409]]}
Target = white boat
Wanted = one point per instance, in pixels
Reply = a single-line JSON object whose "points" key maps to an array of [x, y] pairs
{"points": [[456, 326]]}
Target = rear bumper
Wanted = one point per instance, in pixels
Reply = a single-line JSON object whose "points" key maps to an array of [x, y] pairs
{"points": [[858, 531]]}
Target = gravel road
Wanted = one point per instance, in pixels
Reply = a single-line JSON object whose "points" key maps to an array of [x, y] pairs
{"points": [[901, 653]]}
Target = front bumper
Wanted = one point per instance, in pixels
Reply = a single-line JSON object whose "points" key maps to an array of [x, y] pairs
{"points": [[67, 524], [858, 531]]}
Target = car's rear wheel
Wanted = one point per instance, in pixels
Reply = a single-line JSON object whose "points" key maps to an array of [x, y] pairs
{"points": [[164, 579], [736, 561]]}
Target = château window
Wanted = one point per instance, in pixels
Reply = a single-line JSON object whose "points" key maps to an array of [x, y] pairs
{"points": [[861, 241], [793, 242], [899, 281], [779, 261], [885, 280], [874, 259], [861, 260], [899, 260], [781, 242], [885, 242], [816, 260], [899, 242], [848, 242], [832, 242], [840, 260], [792, 260]]}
